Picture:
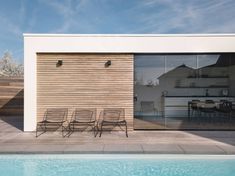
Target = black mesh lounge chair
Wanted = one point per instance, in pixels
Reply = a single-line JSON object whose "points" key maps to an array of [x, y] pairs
{"points": [[113, 117], [83, 118], [54, 118]]}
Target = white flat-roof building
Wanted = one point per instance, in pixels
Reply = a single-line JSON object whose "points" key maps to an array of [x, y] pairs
{"points": [[191, 66]]}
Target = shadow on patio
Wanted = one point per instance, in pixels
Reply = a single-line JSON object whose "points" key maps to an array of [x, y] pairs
{"points": [[225, 131]]}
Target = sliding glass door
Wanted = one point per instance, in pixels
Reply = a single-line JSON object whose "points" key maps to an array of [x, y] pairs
{"points": [[184, 91], [148, 91]]}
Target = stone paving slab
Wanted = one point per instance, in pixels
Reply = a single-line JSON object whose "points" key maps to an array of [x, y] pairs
{"points": [[42, 148], [201, 149], [84, 149], [118, 149], [126, 148], [13, 140], [162, 149], [227, 148], [16, 149]]}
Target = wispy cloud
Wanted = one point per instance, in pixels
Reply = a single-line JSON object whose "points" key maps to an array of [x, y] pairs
{"points": [[67, 10], [187, 16], [9, 26], [22, 11], [112, 16], [62, 7], [147, 16]]}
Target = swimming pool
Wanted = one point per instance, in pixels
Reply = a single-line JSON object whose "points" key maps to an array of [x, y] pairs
{"points": [[117, 165]]}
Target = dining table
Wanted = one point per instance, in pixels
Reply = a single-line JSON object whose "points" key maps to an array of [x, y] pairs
{"points": [[202, 104]]}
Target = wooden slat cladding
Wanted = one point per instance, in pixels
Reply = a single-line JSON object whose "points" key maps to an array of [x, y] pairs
{"points": [[83, 81]]}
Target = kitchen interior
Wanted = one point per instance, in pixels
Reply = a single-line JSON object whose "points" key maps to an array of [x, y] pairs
{"points": [[184, 91]]}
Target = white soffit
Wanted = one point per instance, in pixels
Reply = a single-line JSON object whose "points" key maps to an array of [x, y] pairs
{"points": [[130, 43]]}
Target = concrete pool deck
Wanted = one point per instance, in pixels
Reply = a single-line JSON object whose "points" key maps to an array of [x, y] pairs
{"points": [[14, 141]]}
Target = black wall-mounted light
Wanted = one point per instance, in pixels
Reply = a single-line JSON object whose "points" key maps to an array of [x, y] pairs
{"points": [[59, 63], [108, 63]]}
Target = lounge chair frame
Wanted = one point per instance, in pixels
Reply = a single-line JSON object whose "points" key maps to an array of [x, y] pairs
{"points": [[113, 117], [83, 117], [53, 117]]}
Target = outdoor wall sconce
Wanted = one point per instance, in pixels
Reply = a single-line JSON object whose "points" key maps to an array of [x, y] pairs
{"points": [[59, 63], [108, 63]]}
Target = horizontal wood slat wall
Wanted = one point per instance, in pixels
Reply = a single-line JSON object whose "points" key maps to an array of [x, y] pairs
{"points": [[84, 82]]}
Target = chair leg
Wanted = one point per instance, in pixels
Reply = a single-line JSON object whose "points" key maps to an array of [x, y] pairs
{"points": [[64, 129], [43, 129], [71, 129], [101, 128], [126, 129], [36, 131], [191, 115], [94, 130]]}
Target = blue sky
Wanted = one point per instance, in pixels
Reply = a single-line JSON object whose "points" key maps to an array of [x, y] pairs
{"points": [[110, 16]]}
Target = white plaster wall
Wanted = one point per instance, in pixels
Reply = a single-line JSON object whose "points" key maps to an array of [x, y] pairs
{"points": [[30, 87], [53, 43]]}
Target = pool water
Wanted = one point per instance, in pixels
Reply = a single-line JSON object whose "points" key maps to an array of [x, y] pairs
{"points": [[117, 165]]}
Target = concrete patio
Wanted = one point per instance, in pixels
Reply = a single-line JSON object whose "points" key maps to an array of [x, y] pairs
{"points": [[13, 140]]}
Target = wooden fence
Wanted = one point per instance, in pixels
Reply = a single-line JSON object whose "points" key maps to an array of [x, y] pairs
{"points": [[11, 96]]}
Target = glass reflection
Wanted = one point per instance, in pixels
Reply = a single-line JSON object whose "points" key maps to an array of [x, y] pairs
{"points": [[167, 84]]}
